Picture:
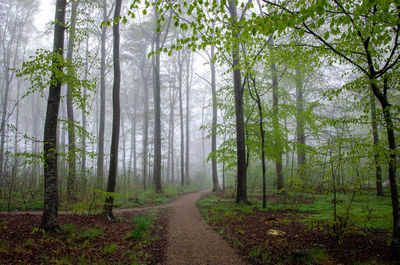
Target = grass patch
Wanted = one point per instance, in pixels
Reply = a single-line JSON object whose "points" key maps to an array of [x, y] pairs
{"points": [[110, 249], [142, 224], [91, 233], [367, 210], [215, 209], [68, 228]]}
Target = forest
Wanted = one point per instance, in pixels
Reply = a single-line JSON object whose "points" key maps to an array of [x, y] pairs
{"points": [[199, 132]]}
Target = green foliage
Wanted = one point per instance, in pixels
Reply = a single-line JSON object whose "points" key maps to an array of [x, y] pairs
{"points": [[68, 228], [142, 224], [40, 67], [94, 203], [137, 198], [217, 210], [91, 233], [110, 249]]}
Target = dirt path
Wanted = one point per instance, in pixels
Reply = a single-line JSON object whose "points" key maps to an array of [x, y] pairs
{"points": [[191, 241]]}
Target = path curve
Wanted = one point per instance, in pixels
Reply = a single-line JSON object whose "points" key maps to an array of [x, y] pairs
{"points": [[193, 242]]}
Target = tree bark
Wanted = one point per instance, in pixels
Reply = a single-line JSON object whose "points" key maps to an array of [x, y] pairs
{"points": [[100, 147], [189, 69], [145, 125], [257, 98], [275, 125], [375, 135], [300, 135], [382, 97], [173, 135], [157, 112], [133, 136], [241, 195], [180, 69], [83, 165], [214, 122], [112, 175], [49, 220], [71, 179], [170, 160]]}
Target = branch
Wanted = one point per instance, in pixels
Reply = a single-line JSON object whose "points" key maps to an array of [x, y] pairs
{"points": [[387, 66], [245, 10], [203, 78], [279, 6], [310, 31]]}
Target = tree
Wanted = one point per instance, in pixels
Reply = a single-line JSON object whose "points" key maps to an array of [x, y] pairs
{"points": [[369, 33], [180, 71], [300, 134], [214, 122], [189, 69], [375, 136], [70, 108], [276, 125], [49, 220], [257, 99], [112, 176], [100, 147], [241, 195], [14, 31], [157, 109]]}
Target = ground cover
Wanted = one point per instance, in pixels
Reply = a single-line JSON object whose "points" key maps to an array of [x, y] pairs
{"points": [[296, 227], [133, 238]]}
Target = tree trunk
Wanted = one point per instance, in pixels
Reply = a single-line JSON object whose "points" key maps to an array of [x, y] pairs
{"points": [[157, 112], [100, 147], [123, 184], [15, 163], [241, 195], [133, 135], [71, 179], [262, 132], [3, 125], [49, 220], [375, 135], [112, 175], [145, 126], [189, 69], [83, 154], [180, 69], [214, 122], [300, 135], [170, 130], [173, 136], [382, 97], [275, 124]]}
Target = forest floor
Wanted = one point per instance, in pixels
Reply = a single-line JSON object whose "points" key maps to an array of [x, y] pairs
{"points": [[177, 233], [171, 233], [284, 235]]}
